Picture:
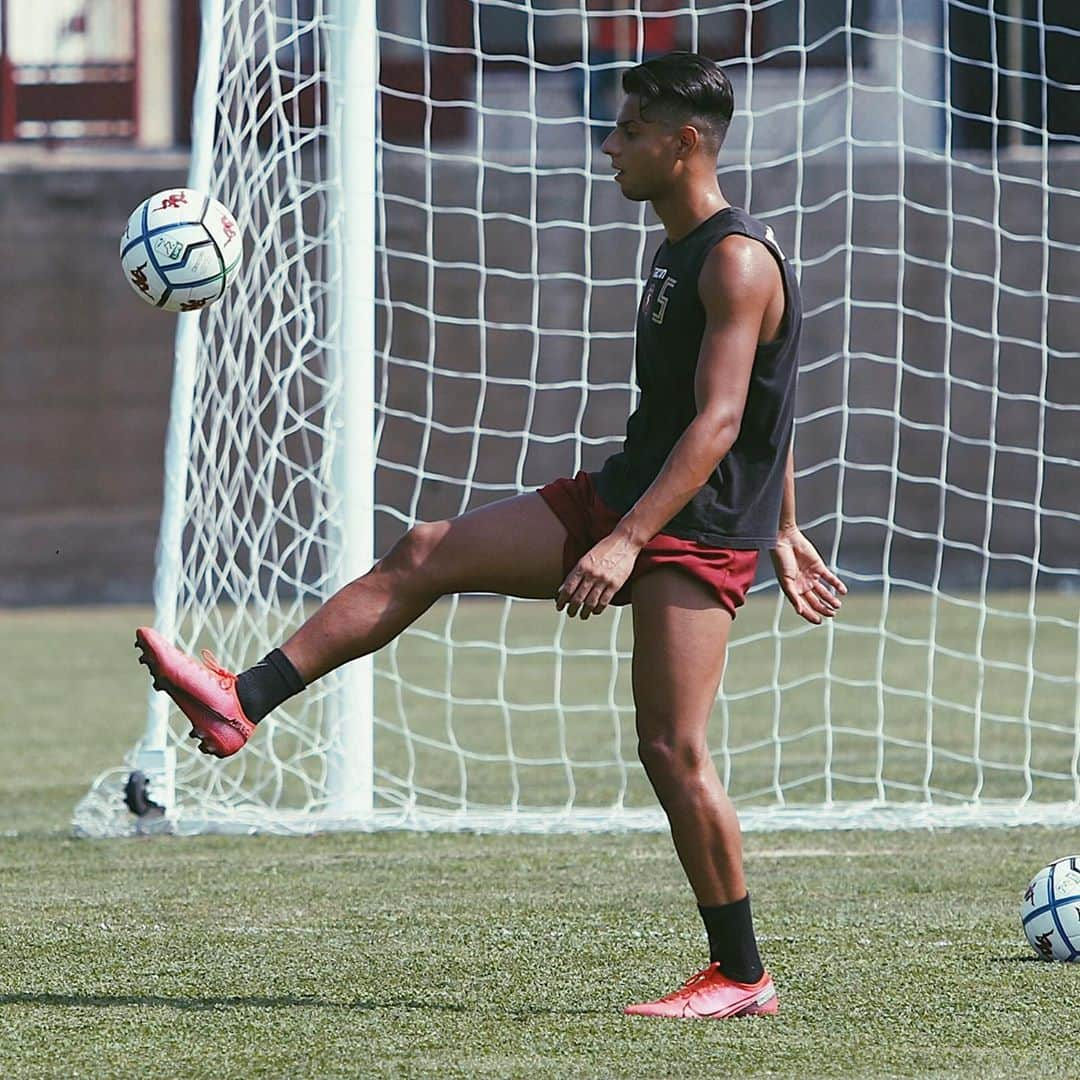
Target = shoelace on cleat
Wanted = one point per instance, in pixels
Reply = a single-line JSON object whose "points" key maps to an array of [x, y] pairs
{"points": [[691, 984], [211, 661]]}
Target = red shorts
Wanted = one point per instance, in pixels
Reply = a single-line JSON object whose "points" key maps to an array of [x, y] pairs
{"points": [[728, 572]]}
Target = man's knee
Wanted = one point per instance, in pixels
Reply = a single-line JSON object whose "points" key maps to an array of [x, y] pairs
{"points": [[414, 558], [672, 759]]}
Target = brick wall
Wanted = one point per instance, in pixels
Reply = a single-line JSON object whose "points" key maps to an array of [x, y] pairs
{"points": [[84, 383], [85, 368]]}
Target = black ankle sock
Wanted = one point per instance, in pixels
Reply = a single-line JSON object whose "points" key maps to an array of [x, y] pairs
{"points": [[262, 688], [731, 940]]}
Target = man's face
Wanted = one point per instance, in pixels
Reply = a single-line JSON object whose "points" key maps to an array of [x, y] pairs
{"points": [[643, 153]]}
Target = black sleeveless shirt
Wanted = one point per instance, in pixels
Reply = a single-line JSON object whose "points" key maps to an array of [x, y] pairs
{"points": [[739, 506]]}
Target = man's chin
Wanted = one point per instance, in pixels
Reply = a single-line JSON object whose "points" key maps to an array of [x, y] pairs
{"points": [[630, 193]]}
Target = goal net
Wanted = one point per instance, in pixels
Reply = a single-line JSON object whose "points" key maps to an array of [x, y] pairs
{"points": [[436, 311]]}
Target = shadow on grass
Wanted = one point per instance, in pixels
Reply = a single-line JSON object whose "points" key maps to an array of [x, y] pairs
{"points": [[217, 1004]]}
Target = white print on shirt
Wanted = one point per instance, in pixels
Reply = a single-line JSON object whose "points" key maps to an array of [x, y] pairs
{"points": [[658, 274], [662, 296], [770, 236]]}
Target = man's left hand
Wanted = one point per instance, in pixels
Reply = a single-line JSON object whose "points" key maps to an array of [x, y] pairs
{"points": [[812, 588]]}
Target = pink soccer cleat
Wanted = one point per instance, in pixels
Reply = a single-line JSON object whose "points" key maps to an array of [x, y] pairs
{"points": [[206, 693], [710, 995]]}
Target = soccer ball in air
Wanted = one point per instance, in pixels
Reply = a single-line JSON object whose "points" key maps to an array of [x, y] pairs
{"points": [[180, 250], [1051, 910]]}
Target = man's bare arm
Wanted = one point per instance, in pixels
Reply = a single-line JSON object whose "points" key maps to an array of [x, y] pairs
{"points": [[813, 590], [737, 282], [787, 503]]}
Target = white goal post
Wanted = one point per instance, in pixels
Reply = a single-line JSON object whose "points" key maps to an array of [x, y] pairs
{"points": [[436, 311]]}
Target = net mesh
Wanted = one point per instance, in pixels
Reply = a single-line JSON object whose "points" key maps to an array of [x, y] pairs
{"points": [[914, 165]]}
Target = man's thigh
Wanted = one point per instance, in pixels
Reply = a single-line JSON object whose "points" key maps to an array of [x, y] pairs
{"points": [[513, 547], [680, 641]]}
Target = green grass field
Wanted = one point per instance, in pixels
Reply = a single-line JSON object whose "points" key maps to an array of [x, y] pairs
{"points": [[881, 655], [896, 954]]}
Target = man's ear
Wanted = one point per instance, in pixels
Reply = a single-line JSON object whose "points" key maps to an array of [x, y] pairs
{"points": [[689, 139]]}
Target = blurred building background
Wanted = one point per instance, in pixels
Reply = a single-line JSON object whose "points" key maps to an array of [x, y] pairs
{"points": [[926, 100], [124, 70]]}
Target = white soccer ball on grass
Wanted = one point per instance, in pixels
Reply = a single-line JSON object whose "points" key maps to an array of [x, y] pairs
{"points": [[180, 250], [1051, 910]]}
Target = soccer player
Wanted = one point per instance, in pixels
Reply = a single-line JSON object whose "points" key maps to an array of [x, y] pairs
{"points": [[672, 524]]}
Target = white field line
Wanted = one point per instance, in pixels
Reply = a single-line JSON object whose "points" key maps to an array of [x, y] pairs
{"points": [[818, 853]]}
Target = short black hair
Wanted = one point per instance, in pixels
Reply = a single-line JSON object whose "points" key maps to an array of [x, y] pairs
{"points": [[681, 87]]}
